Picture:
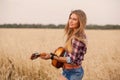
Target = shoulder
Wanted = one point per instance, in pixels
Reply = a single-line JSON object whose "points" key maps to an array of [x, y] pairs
{"points": [[77, 42]]}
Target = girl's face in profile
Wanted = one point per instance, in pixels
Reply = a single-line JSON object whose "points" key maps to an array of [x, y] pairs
{"points": [[73, 21]]}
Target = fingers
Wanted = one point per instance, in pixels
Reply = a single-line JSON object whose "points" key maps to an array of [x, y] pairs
{"points": [[43, 54], [46, 57]]}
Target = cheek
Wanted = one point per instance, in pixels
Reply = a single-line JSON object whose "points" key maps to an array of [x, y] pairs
{"points": [[76, 24], [73, 25]]}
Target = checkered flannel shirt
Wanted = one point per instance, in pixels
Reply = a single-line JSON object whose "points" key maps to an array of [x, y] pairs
{"points": [[77, 55]]}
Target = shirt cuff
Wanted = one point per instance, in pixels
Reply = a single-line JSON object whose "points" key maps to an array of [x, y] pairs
{"points": [[68, 60]]}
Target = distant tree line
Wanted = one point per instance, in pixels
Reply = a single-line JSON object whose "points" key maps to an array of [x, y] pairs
{"points": [[103, 26], [60, 26], [49, 26]]}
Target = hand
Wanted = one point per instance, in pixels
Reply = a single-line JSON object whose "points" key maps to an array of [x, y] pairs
{"points": [[34, 56], [46, 56]]}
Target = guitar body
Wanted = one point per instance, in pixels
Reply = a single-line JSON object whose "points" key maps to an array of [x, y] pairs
{"points": [[60, 53]]}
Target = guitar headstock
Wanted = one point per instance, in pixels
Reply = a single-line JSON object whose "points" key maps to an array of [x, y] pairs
{"points": [[34, 56]]}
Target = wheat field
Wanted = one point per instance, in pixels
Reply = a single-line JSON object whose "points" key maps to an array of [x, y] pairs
{"points": [[101, 62]]}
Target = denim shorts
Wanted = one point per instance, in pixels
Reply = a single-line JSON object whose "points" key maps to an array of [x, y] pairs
{"points": [[73, 74]]}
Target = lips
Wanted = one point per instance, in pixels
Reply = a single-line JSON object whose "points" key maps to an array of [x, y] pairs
{"points": [[71, 24]]}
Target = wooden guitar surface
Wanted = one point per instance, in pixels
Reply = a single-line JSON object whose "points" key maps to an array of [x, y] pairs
{"points": [[60, 53]]}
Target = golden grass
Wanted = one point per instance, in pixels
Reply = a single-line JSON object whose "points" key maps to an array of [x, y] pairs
{"points": [[102, 61]]}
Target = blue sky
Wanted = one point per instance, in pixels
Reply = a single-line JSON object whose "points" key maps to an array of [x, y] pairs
{"points": [[56, 11]]}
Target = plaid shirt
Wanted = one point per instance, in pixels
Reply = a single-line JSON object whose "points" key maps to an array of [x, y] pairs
{"points": [[77, 55]]}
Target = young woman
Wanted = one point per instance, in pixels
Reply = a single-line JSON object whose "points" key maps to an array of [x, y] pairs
{"points": [[75, 47]]}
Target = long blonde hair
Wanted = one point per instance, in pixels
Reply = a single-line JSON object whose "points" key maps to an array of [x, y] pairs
{"points": [[79, 32]]}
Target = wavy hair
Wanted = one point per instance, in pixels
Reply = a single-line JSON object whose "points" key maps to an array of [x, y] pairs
{"points": [[79, 33]]}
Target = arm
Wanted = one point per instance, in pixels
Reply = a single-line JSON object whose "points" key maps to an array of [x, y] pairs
{"points": [[47, 56], [60, 59]]}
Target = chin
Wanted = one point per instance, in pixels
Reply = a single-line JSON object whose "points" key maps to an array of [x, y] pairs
{"points": [[71, 27]]}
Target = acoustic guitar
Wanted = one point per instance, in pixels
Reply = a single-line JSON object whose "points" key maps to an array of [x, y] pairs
{"points": [[58, 52]]}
